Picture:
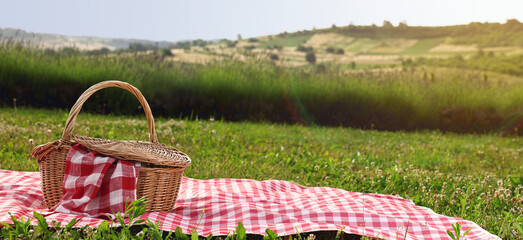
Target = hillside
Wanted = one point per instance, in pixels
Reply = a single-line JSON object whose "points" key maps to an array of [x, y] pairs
{"points": [[56, 41], [350, 47], [366, 46]]}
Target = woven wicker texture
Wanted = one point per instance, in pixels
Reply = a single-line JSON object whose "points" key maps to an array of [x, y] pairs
{"points": [[153, 153], [160, 175]]}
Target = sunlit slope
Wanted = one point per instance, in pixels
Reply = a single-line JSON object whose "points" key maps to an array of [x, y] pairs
{"points": [[351, 47], [368, 45]]}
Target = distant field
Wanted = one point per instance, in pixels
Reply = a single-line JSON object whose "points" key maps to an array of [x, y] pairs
{"points": [[362, 45], [388, 41], [422, 46], [452, 48], [285, 42], [324, 41]]}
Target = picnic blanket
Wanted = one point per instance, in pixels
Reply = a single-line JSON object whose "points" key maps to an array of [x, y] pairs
{"points": [[217, 205]]}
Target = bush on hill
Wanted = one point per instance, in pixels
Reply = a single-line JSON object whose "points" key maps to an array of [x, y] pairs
{"points": [[302, 48], [310, 57]]}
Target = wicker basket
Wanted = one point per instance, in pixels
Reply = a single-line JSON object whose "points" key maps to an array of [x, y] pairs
{"points": [[162, 166]]}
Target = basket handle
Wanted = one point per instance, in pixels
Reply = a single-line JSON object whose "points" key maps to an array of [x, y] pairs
{"points": [[69, 125]]}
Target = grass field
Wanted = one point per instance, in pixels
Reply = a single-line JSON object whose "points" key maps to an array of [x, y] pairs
{"points": [[474, 177], [422, 46], [285, 41], [412, 98]]}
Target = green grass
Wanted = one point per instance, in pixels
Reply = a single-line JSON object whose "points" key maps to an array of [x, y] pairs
{"points": [[259, 90], [475, 177], [293, 41], [507, 64], [362, 45], [422, 46]]}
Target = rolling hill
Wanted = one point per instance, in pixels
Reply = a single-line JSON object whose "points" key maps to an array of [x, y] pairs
{"points": [[348, 46]]}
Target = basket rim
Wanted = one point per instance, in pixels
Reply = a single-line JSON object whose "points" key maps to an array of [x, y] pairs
{"points": [[141, 151]]}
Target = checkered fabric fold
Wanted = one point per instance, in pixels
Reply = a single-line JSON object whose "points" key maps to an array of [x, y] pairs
{"points": [[96, 185], [217, 205]]}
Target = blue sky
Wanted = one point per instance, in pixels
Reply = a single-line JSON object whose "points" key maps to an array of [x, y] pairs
{"points": [[213, 19]]}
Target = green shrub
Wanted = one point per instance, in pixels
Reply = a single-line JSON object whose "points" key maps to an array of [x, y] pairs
{"points": [[302, 48], [166, 52], [232, 44], [249, 47], [310, 57]]}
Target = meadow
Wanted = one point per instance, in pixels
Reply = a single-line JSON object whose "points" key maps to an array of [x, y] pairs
{"points": [[474, 177], [413, 97]]}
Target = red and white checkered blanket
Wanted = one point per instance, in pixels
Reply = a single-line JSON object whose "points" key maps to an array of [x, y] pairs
{"points": [[281, 206], [97, 185]]}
